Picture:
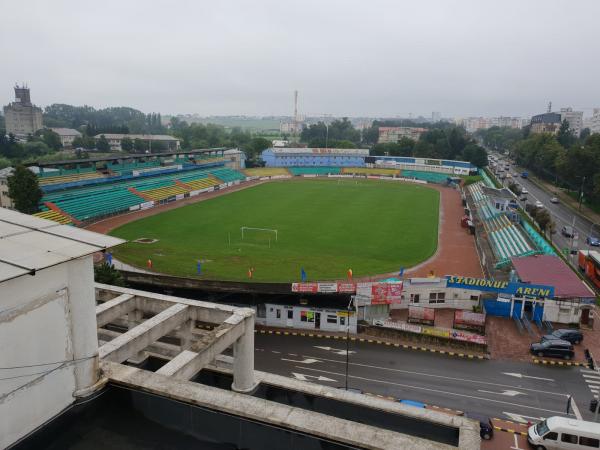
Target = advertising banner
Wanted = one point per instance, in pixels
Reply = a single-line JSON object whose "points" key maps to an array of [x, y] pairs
{"points": [[344, 288], [439, 332], [418, 312], [402, 326], [504, 287], [311, 288], [386, 293], [146, 205], [178, 196], [468, 337], [327, 287], [469, 318]]}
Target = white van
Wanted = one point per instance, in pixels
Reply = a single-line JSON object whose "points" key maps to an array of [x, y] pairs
{"points": [[564, 433]]}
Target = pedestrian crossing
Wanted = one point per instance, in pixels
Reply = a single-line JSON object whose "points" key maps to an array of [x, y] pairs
{"points": [[592, 378]]}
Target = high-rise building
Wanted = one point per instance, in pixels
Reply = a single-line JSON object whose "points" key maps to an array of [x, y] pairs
{"points": [[436, 116], [595, 121], [575, 119], [21, 116]]}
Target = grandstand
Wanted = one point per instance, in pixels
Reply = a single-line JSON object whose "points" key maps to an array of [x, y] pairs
{"points": [[315, 170], [266, 172], [47, 179], [506, 238], [56, 216], [430, 177], [371, 171]]}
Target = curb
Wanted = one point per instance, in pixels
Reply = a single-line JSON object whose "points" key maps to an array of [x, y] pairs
{"points": [[509, 430], [375, 341], [427, 405], [559, 363]]}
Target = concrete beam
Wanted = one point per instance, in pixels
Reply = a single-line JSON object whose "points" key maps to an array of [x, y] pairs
{"points": [[115, 308], [160, 349], [189, 362], [139, 337]]}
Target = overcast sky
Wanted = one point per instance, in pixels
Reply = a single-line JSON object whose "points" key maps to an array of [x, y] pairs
{"points": [[356, 58]]}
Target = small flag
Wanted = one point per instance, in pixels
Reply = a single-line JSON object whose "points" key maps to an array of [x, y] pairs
{"points": [[250, 272], [401, 273], [199, 267], [108, 258], [149, 263], [349, 274], [303, 274]]}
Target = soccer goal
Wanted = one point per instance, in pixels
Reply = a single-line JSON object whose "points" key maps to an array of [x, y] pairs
{"points": [[259, 233]]}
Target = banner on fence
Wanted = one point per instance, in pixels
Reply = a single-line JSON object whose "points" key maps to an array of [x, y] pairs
{"points": [[432, 331], [312, 288], [504, 287], [421, 313], [386, 293], [327, 287], [469, 318]]}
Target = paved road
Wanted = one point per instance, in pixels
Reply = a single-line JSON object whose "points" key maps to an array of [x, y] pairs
{"points": [[561, 214], [463, 384]]}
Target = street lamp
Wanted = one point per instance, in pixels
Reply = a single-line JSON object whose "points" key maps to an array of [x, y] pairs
{"points": [[326, 134], [350, 304]]}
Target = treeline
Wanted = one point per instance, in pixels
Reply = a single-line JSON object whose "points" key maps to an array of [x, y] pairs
{"points": [[568, 161], [43, 145], [97, 121]]}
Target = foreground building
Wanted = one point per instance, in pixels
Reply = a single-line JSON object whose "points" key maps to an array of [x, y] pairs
{"points": [[67, 136], [546, 123], [98, 366], [338, 157], [21, 116]]}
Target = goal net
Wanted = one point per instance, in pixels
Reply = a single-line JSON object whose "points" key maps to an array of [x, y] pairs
{"points": [[259, 235]]}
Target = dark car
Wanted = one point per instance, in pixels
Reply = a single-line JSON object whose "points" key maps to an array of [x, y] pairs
{"points": [[553, 348], [572, 336], [486, 429], [593, 241], [568, 231]]}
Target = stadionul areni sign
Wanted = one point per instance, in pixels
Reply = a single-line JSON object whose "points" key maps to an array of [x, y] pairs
{"points": [[503, 287]]}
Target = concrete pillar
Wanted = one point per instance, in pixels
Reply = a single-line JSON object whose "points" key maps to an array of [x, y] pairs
{"points": [[243, 360], [133, 319], [186, 332]]}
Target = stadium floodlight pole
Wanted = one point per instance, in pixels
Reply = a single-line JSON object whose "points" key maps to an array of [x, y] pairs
{"points": [[348, 338], [326, 134]]}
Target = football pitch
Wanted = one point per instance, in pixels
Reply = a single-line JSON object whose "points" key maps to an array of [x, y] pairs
{"points": [[324, 226]]}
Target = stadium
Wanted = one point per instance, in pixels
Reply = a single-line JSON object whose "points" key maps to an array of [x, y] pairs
{"points": [[201, 214]]}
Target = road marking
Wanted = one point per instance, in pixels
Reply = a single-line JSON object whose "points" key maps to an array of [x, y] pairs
{"points": [[593, 377], [520, 418], [516, 446], [435, 390], [518, 375], [292, 354], [337, 351], [510, 386], [576, 409], [508, 393], [304, 361], [303, 377], [274, 351]]}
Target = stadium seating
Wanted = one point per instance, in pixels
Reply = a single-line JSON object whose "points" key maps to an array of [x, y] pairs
{"points": [[488, 182], [371, 171], [227, 175], [201, 183], [430, 177], [315, 170], [56, 216], [266, 171], [538, 240], [68, 178], [60, 172]]}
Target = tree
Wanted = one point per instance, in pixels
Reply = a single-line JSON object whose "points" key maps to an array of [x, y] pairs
{"points": [[4, 162], [515, 188], [24, 190], [107, 274], [140, 146], [475, 154], [102, 144], [585, 133], [51, 139], [565, 136], [543, 219], [126, 144]]}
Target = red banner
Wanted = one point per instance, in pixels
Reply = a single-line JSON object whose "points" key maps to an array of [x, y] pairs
{"points": [[386, 293], [312, 288], [349, 288]]}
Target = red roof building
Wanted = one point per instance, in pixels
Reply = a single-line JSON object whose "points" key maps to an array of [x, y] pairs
{"points": [[552, 271]]}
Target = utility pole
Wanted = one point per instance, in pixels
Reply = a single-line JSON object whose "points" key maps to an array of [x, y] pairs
{"points": [[350, 303], [581, 193]]}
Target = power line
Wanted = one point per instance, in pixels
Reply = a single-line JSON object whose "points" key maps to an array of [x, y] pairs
{"points": [[48, 363]]}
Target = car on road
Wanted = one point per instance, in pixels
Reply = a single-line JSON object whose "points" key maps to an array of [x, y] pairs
{"points": [[593, 241], [563, 432], [539, 204], [564, 334], [524, 191], [523, 198], [567, 231], [486, 428], [554, 200], [554, 349]]}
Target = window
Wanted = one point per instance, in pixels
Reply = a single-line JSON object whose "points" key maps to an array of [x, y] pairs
{"points": [[589, 442], [331, 318], [414, 298], [307, 316], [552, 436], [278, 313], [474, 297], [290, 313], [569, 438], [342, 321], [437, 297]]}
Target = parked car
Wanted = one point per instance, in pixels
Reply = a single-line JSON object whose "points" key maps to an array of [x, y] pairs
{"points": [[567, 231], [593, 241], [486, 429], [554, 200], [555, 349], [572, 336]]}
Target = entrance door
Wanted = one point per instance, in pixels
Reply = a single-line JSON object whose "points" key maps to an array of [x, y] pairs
{"points": [[585, 316], [317, 320]]}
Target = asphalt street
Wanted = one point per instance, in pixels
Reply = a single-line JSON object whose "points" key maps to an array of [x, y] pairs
{"points": [[561, 214], [503, 389]]}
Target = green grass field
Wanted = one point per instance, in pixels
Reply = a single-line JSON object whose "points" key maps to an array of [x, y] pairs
{"points": [[325, 226]]}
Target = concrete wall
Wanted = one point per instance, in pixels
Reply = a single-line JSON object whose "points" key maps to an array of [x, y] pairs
{"points": [[304, 317], [48, 321], [562, 312], [427, 293]]}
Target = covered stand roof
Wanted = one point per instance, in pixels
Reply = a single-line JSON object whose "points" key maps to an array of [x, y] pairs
{"points": [[29, 244], [552, 271]]}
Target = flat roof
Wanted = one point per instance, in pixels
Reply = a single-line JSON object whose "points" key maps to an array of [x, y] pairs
{"points": [[321, 151], [152, 137], [122, 156], [552, 271], [29, 244]]}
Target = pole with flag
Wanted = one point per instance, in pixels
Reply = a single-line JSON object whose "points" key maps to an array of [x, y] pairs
{"points": [[401, 273], [302, 274], [350, 274], [199, 267]]}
